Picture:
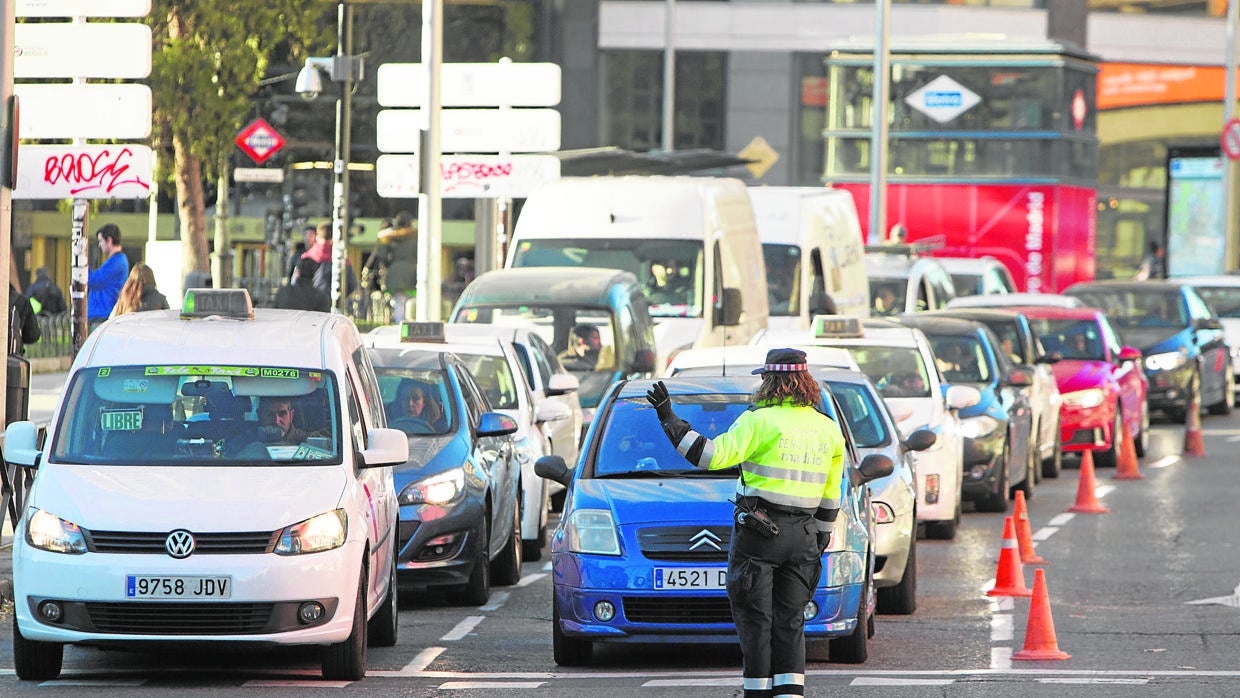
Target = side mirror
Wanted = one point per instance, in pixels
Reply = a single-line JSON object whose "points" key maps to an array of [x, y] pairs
{"points": [[920, 440], [874, 466], [387, 447], [820, 304], [21, 447], [1208, 324], [1020, 378], [1129, 354], [553, 468], [561, 383], [961, 396], [643, 362], [728, 310], [496, 424], [552, 411]]}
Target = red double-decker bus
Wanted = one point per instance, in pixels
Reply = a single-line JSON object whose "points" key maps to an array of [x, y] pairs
{"points": [[991, 145]]}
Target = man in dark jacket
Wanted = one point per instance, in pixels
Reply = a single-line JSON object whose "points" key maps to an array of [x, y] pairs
{"points": [[23, 325], [51, 299], [301, 294]]}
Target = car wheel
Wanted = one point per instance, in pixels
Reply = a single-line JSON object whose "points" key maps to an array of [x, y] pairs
{"points": [[901, 599], [507, 567], [346, 661], [997, 499], [477, 591], [1110, 457], [385, 625], [1141, 443], [567, 651], [35, 660], [854, 649], [1052, 466], [1223, 406]]}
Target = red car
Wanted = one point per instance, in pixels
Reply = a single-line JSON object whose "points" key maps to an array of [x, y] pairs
{"points": [[1101, 381]]}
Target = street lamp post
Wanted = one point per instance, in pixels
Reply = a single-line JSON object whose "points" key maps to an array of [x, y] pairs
{"points": [[343, 69]]}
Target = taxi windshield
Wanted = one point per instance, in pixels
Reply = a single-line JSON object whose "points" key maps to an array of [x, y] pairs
{"points": [[416, 399], [897, 371], [198, 415], [495, 377]]}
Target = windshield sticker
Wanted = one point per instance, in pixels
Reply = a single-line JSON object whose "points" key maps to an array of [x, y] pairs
{"points": [[278, 373], [121, 420], [471, 315], [305, 452], [104, 372], [135, 385], [201, 371]]}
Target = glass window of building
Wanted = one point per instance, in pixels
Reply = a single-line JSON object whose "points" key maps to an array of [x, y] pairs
{"points": [[632, 115]]}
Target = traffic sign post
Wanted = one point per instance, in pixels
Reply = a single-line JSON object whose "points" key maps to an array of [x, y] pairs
{"points": [[259, 140]]}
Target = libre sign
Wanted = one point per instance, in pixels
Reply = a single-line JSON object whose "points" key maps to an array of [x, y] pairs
{"points": [[259, 140]]}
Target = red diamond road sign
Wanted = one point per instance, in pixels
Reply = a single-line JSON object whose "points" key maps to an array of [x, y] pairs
{"points": [[259, 140]]}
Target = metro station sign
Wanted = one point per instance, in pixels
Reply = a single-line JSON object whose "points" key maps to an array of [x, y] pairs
{"points": [[943, 99], [259, 140]]}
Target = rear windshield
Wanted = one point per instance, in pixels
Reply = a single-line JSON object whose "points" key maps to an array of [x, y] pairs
{"points": [[198, 415]]}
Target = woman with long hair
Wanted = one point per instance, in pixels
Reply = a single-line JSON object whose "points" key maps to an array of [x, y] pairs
{"points": [[139, 292]]}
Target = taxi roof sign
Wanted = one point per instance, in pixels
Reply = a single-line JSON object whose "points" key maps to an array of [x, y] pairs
{"points": [[422, 332], [837, 326], [223, 302]]}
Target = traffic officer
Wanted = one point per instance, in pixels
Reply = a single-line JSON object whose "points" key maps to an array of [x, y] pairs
{"points": [[791, 458]]}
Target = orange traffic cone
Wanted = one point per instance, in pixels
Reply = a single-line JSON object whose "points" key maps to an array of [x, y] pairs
{"points": [[1040, 640], [1193, 443], [1086, 501], [1010, 576], [1024, 534], [1127, 467]]}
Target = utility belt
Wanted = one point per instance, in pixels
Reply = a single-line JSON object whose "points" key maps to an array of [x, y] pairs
{"points": [[760, 503], [758, 515]]}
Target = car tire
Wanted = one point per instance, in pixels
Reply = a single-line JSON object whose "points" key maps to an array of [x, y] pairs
{"points": [[901, 599], [567, 651], [1051, 467], [1141, 442], [346, 661], [996, 501], [477, 591], [385, 625], [506, 570], [35, 660], [1223, 406], [1110, 457], [854, 648]]}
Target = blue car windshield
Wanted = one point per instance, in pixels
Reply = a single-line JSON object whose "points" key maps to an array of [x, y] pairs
{"points": [[633, 441], [863, 414]]}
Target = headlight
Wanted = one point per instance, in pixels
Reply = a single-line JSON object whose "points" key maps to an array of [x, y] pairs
{"points": [[50, 532], [978, 427], [314, 535], [443, 488], [592, 531], [1084, 398], [1166, 361]]}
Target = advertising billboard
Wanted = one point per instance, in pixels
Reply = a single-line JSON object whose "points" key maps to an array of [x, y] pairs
{"points": [[1195, 211]]}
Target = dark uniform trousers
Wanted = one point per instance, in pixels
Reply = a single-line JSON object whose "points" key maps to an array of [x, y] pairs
{"points": [[769, 582]]}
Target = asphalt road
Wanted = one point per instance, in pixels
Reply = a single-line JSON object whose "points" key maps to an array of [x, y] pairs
{"points": [[1143, 598]]}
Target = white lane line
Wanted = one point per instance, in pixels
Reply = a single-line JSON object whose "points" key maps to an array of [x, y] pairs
{"points": [[1000, 658], [1060, 519], [1166, 461], [463, 628], [497, 600], [306, 683], [999, 603], [1044, 533], [1103, 490], [530, 579], [1001, 628], [875, 681], [417, 665], [547, 567], [466, 685], [1134, 682], [675, 683]]}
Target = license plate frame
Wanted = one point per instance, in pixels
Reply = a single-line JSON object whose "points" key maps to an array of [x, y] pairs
{"points": [[175, 587], [690, 578]]}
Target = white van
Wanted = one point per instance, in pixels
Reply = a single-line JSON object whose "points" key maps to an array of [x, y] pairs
{"points": [[814, 253], [220, 474], [691, 241]]}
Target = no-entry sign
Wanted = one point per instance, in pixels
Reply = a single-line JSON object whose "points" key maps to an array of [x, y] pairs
{"points": [[259, 140], [1231, 139]]}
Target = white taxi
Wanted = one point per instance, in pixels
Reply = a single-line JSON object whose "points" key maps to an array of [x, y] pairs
{"points": [[901, 363], [216, 474]]}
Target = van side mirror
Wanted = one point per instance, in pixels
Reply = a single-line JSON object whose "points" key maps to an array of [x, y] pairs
{"points": [[21, 444], [728, 310], [821, 304], [643, 362]]}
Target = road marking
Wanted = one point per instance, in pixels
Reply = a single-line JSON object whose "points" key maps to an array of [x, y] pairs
{"points": [[1001, 628], [675, 683], [93, 682], [1233, 601], [497, 600], [999, 603], [1060, 519], [876, 681], [1166, 461], [547, 567], [419, 663], [1044, 533], [291, 683], [463, 628], [465, 685], [530, 579], [1000, 658], [1087, 680], [1103, 490]]}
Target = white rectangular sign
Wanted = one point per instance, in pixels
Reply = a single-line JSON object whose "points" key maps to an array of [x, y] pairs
{"points": [[472, 85], [62, 110], [467, 176], [119, 171], [472, 130], [265, 175], [91, 50], [83, 8]]}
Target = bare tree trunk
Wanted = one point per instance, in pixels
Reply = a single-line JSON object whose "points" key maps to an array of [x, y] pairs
{"points": [[190, 208]]}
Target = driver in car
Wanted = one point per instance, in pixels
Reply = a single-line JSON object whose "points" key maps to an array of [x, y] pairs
{"points": [[278, 412]]}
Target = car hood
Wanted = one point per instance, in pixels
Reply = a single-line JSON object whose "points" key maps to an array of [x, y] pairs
{"points": [[1073, 374], [663, 500], [153, 498], [1151, 339], [429, 455]]}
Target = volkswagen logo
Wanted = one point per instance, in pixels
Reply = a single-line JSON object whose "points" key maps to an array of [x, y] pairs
{"points": [[705, 538], [180, 544]]}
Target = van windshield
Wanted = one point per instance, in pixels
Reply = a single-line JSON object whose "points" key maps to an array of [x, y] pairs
{"points": [[198, 415], [783, 279], [670, 270]]}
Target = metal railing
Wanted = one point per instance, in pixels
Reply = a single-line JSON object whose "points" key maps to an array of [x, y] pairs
{"points": [[15, 482]]}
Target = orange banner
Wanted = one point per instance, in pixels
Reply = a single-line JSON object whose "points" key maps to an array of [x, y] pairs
{"points": [[1143, 84]]}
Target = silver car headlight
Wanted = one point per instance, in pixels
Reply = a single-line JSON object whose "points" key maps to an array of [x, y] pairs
{"points": [[979, 426], [51, 533], [1167, 361], [592, 531], [1084, 398], [444, 488], [326, 531]]}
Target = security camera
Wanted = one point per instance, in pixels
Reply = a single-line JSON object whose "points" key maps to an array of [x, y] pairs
{"points": [[309, 83]]}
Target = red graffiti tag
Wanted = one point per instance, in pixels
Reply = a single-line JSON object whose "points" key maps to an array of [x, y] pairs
{"points": [[456, 174], [85, 172]]}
